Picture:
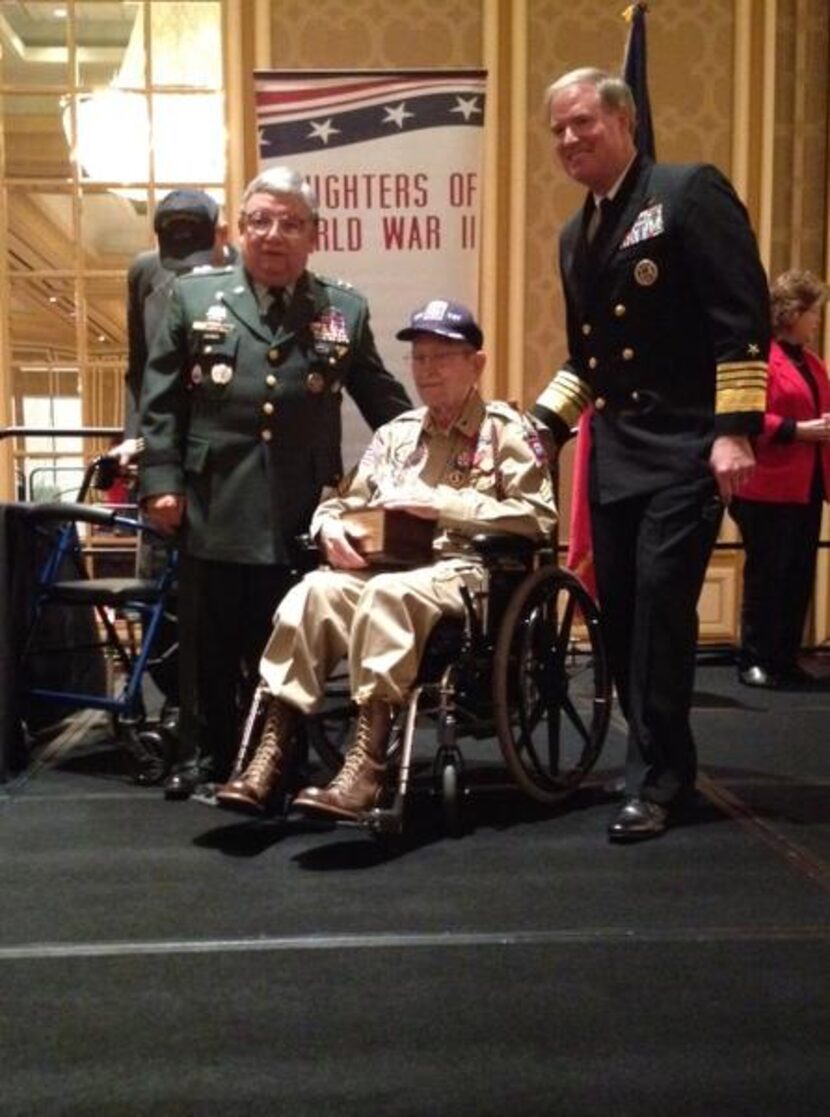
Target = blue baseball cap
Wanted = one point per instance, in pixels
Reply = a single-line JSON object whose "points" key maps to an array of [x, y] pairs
{"points": [[446, 319]]}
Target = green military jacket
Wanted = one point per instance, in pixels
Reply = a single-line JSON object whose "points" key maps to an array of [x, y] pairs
{"points": [[244, 419]]}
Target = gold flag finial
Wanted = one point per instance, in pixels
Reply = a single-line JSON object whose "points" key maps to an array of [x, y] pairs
{"points": [[628, 14]]}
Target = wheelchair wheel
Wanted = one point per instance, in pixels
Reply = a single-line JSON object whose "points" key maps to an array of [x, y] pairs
{"points": [[448, 783], [551, 684]]}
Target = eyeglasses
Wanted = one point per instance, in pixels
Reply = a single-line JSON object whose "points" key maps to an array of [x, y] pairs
{"points": [[439, 357], [261, 224]]}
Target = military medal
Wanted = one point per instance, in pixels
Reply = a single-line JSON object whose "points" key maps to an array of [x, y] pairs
{"points": [[456, 478], [646, 272], [315, 382], [216, 313], [331, 327], [221, 374], [649, 224]]}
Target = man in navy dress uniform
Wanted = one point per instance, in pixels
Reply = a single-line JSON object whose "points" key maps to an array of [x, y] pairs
{"points": [[668, 334]]}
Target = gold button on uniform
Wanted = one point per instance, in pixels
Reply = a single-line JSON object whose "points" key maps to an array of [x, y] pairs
{"points": [[593, 362], [619, 310], [270, 380], [628, 354], [268, 408], [635, 395], [586, 328], [273, 354], [599, 403], [266, 435]]}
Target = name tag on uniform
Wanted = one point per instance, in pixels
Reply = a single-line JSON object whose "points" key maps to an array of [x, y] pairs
{"points": [[212, 328], [649, 224]]}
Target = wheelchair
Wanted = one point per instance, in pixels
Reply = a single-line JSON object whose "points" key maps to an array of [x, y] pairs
{"points": [[526, 664], [90, 640]]}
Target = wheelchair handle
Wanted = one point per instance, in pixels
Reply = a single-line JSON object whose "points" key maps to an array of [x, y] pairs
{"points": [[66, 512]]}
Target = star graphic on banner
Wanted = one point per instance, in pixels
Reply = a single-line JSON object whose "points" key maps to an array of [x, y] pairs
{"points": [[397, 115], [467, 106], [323, 131]]}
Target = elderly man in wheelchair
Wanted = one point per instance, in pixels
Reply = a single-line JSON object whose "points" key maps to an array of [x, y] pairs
{"points": [[456, 466]]}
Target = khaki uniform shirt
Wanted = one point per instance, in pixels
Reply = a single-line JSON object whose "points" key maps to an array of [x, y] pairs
{"points": [[488, 473]]}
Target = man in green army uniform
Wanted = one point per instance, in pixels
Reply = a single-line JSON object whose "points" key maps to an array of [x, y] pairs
{"points": [[464, 465], [240, 416]]}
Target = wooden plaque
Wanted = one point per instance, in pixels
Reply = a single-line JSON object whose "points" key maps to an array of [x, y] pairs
{"points": [[390, 538]]}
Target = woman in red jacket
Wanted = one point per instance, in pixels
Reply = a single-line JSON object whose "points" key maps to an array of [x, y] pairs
{"points": [[779, 508]]}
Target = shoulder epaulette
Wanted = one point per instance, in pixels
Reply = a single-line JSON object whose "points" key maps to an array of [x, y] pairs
{"points": [[205, 271], [503, 409], [341, 284]]}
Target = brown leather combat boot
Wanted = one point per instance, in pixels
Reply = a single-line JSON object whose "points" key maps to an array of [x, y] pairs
{"points": [[358, 785], [264, 775]]}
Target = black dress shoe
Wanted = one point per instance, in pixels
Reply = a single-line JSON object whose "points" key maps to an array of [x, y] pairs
{"points": [[758, 676], [181, 785], [637, 820]]}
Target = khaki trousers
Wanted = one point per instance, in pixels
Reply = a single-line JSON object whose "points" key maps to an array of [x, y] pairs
{"points": [[379, 622]]}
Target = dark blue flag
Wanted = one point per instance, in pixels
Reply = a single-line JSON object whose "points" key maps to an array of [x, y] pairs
{"points": [[635, 75]]}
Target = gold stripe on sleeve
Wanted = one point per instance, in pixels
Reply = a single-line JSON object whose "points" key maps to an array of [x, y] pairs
{"points": [[566, 396], [741, 386]]}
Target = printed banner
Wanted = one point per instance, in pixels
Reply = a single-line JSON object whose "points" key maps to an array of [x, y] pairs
{"points": [[395, 161]]}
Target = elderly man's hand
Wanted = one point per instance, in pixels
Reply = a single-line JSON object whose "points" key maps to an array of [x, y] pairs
{"points": [[164, 512], [126, 451], [337, 547], [732, 462]]}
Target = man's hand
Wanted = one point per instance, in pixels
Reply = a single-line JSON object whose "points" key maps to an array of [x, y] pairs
{"points": [[164, 512], [337, 547], [732, 462], [126, 451]]}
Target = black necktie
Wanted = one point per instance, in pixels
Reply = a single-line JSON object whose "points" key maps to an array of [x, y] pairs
{"points": [[276, 310], [596, 219]]}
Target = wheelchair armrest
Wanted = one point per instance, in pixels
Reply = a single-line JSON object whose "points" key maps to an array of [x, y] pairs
{"points": [[306, 553], [503, 545]]}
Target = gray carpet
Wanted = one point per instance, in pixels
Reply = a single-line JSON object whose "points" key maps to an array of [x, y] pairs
{"points": [[164, 958]]}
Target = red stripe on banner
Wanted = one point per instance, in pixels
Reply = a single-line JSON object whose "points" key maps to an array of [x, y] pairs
{"points": [[300, 96], [276, 103]]}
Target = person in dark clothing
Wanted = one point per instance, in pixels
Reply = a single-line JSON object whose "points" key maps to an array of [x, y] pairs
{"points": [[667, 324]]}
